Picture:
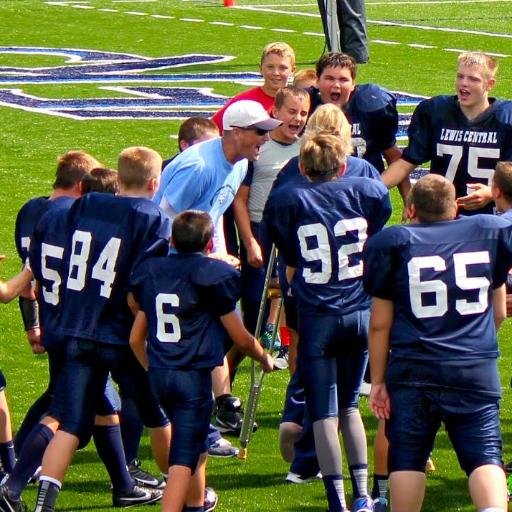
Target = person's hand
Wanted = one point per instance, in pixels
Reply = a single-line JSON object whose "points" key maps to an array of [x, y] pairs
{"points": [[379, 401], [226, 258], [254, 256], [34, 340], [481, 196], [267, 364], [407, 215]]}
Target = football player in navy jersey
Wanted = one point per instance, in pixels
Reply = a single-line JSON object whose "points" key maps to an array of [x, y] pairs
{"points": [[188, 305], [105, 236], [71, 167], [45, 256], [319, 228], [438, 298], [295, 431], [370, 109], [463, 136], [502, 195]]}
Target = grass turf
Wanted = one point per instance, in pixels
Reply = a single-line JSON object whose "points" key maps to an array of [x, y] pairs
{"points": [[31, 141]]}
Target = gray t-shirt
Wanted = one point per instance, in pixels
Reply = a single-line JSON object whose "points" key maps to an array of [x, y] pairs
{"points": [[273, 156]]}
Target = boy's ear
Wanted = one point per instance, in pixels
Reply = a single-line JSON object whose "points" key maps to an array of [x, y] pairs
{"points": [[496, 191], [153, 184], [183, 145], [209, 246]]}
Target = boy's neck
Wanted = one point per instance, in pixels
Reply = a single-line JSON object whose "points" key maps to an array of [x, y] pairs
{"points": [[475, 111], [278, 136], [134, 192], [268, 90], [502, 205]]}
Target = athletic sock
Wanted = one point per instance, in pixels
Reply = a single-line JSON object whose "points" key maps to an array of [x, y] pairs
{"points": [[380, 486], [359, 478], [131, 429], [335, 491], [7, 457], [29, 460], [47, 494], [193, 509], [109, 446]]}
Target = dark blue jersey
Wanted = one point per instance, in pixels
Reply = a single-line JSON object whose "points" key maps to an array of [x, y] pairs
{"points": [[26, 221], [290, 173], [183, 296], [46, 261], [440, 277], [371, 110], [464, 151], [107, 236], [320, 229]]}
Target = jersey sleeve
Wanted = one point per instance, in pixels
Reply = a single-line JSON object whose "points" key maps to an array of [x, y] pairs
{"points": [[219, 287], [381, 208], [378, 267], [420, 135], [154, 230], [34, 254], [137, 279], [387, 121], [278, 218], [504, 251]]}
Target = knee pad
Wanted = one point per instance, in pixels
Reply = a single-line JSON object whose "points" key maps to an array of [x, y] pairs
{"points": [[288, 434]]}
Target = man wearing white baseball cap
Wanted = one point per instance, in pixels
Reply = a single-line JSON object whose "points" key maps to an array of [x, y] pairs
{"points": [[206, 176]]}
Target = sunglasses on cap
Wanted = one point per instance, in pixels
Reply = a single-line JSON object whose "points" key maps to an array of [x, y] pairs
{"points": [[259, 131]]}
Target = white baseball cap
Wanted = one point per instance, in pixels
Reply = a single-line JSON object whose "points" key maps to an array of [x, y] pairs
{"points": [[248, 114]]}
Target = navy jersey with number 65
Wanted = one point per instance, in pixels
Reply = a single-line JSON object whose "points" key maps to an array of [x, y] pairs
{"points": [[464, 151], [107, 236], [183, 296], [440, 277], [320, 229]]}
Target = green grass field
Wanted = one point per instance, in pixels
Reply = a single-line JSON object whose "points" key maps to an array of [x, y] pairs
{"points": [[413, 49]]}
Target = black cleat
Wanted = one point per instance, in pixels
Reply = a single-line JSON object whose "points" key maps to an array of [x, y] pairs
{"points": [[143, 478], [230, 415], [137, 496], [9, 505]]}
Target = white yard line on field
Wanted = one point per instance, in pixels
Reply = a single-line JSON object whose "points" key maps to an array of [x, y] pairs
{"points": [[81, 5], [378, 22]]}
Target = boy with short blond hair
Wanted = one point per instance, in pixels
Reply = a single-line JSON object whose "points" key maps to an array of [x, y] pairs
{"points": [[462, 135], [276, 66]]}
